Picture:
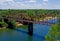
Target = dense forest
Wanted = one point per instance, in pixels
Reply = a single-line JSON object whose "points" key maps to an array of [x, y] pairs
{"points": [[29, 14], [54, 33]]}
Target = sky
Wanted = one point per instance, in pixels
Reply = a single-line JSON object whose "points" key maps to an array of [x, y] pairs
{"points": [[29, 4]]}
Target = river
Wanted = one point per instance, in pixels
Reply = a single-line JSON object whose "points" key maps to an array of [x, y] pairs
{"points": [[39, 33]]}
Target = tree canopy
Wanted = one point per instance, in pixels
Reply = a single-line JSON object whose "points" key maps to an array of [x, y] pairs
{"points": [[54, 33]]}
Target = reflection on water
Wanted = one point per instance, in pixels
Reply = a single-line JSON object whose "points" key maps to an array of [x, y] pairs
{"points": [[21, 35], [30, 38], [12, 35]]}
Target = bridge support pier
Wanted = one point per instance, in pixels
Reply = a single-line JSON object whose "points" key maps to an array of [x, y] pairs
{"points": [[25, 23], [30, 29]]}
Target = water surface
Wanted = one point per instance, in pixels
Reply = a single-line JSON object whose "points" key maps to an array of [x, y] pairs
{"points": [[20, 34]]}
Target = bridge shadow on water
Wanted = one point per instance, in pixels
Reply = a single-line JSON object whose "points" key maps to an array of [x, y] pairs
{"points": [[34, 35], [11, 26]]}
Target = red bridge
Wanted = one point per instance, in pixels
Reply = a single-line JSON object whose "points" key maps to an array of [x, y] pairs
{"points": [[30, 21]]}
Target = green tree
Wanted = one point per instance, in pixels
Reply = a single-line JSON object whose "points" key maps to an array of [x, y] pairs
{"points": [[54, 33]]}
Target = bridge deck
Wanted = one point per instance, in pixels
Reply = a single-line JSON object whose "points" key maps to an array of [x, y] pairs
{"points": [[29, 21]]}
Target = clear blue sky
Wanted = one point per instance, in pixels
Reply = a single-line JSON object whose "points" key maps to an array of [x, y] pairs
{"points": [[29, 4]]}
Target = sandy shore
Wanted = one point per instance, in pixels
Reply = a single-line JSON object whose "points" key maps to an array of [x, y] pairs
{"points": [[19, 24]]}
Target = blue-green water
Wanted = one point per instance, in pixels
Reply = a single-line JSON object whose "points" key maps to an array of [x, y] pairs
{"points": [[39, 33], [14, 35]]}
